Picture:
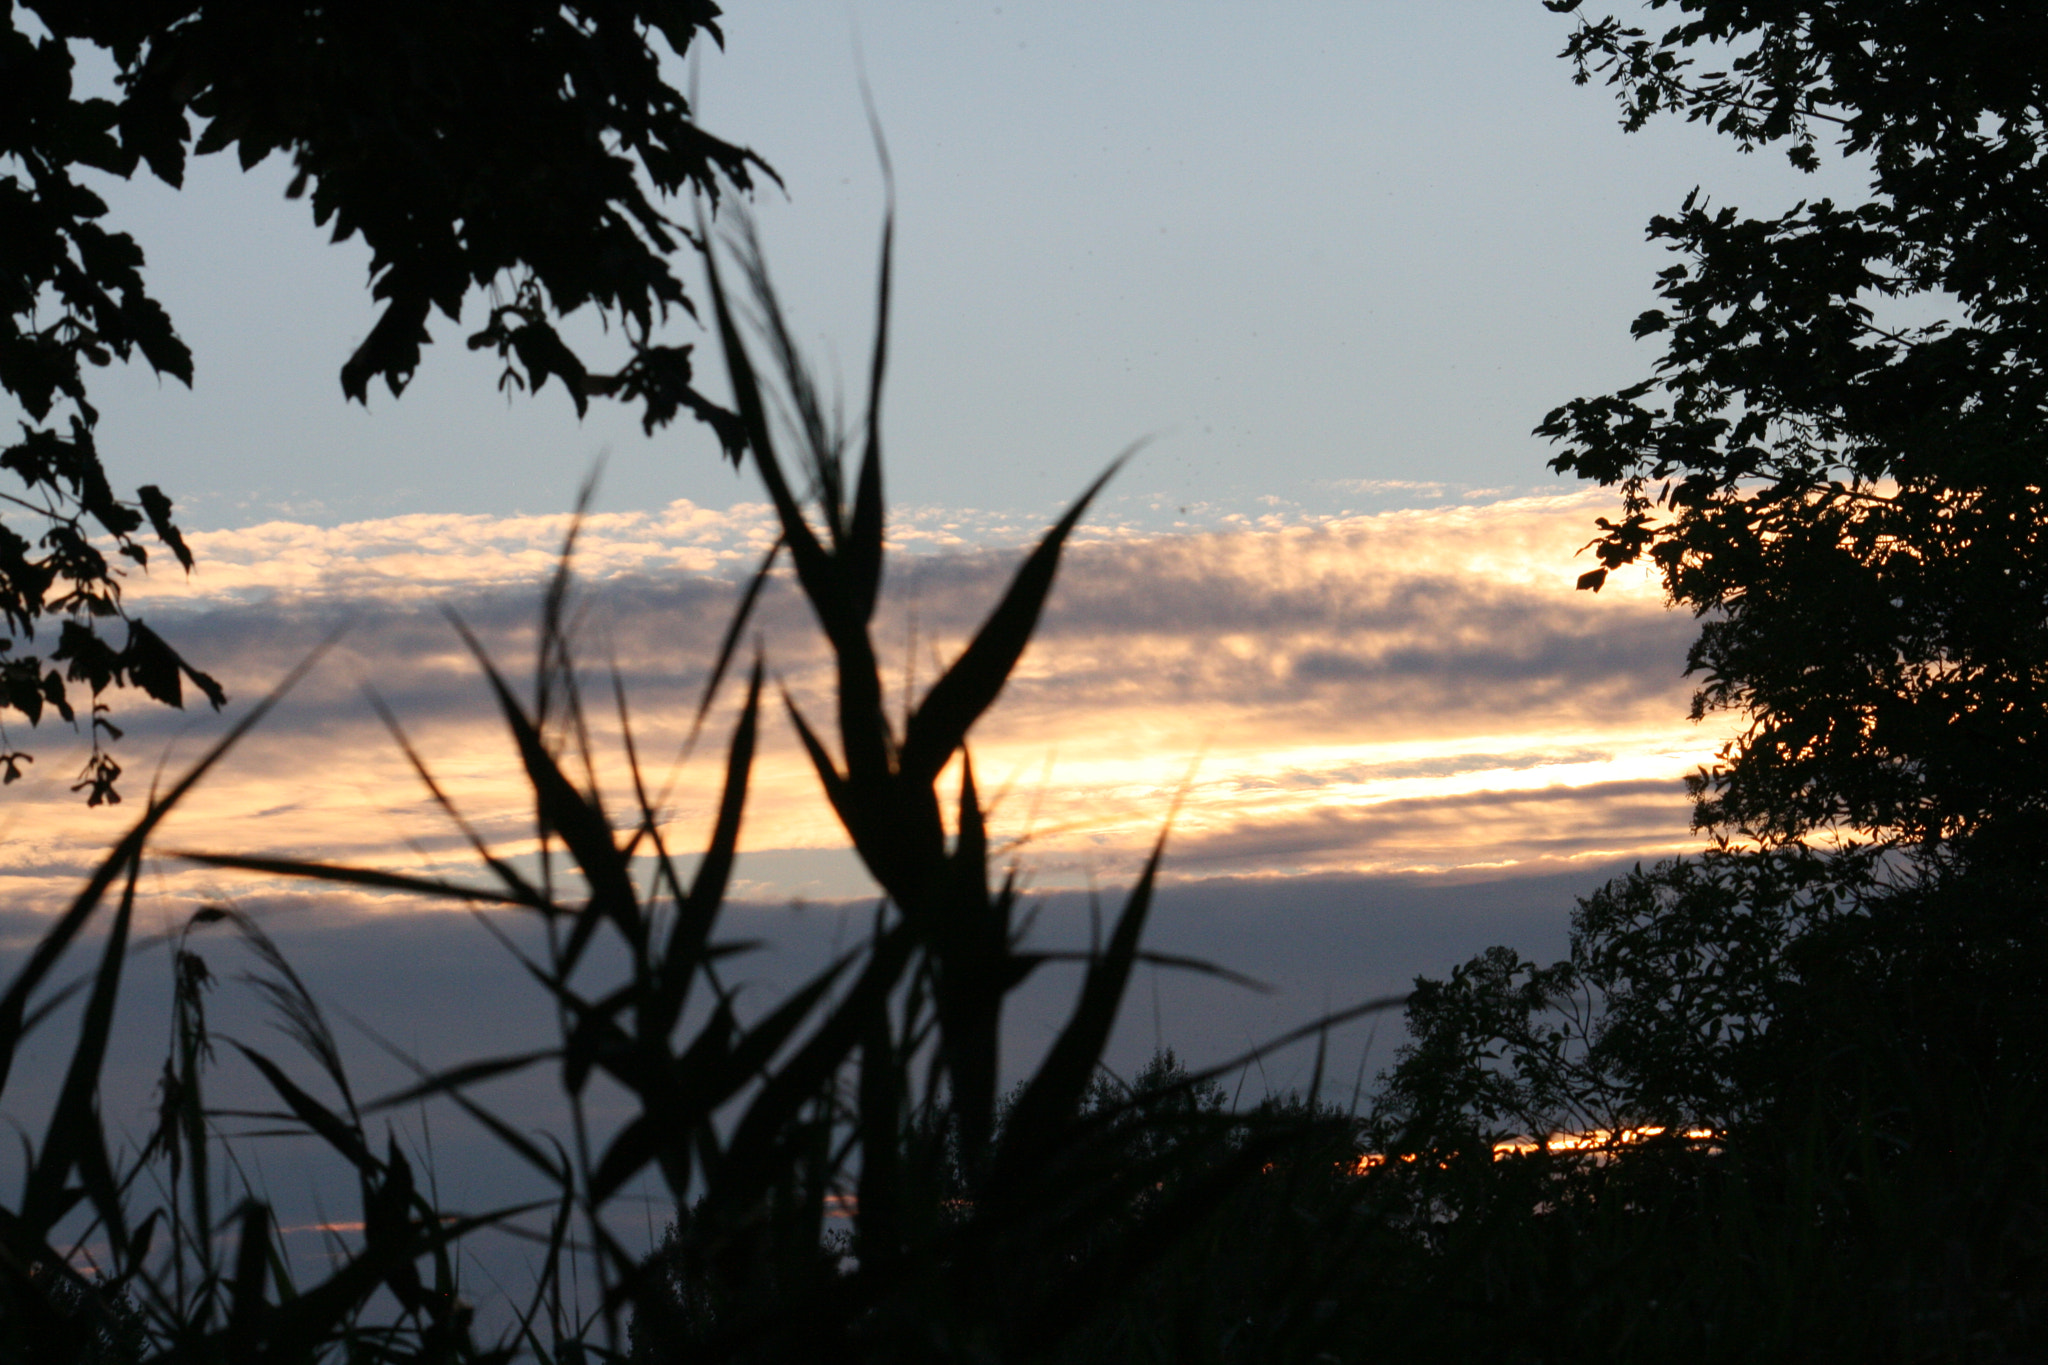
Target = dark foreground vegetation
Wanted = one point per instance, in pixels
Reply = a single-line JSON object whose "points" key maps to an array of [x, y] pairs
{"points": [[1782, 1100]]}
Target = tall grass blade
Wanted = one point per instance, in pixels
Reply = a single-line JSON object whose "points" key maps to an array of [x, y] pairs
{"points": [[517, 888], [862, 550], [748, 1164], [1063, 1077], [455, 1077], [970, 686], [58, 937], [340, 1134], [972, 972], [812, 563], [878, 1215], [246, 1301], [691, 928], [343, 874], [835, 784], [577, 818], [75, 1138], [729, 646]]}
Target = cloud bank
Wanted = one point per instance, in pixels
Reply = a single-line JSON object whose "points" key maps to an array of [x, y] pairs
{"points": [[1414, 691]]}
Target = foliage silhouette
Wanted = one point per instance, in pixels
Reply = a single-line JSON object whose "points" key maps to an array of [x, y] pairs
{"points": [[1843, 991], [469, 144], [1848, 494]]}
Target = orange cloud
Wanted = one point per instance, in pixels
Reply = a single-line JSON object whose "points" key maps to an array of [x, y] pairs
{"points": [[1417, 690]]}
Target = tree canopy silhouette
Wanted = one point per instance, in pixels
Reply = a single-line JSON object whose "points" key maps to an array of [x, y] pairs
{"points": [[470, 143], [1839, 461], [1839, 464]]}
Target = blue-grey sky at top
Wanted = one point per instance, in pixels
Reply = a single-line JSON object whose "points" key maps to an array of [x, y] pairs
{"points": [[1307, 245]]}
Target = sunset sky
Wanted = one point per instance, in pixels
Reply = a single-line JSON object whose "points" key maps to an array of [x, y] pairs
{"points": [[1336, 261]]}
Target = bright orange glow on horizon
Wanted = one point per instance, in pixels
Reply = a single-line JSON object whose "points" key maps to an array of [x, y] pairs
{"points": [[1597, 1143]]}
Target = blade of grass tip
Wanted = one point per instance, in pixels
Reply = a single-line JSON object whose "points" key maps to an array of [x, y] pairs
{"points": [[551, 655], [74, 1137], [1078, 1050], [970, 843], [650, 817], [580, 820], [864, 556], [550, 1268], [972, 947], [697, 912], [820, 437], [662, 874], [967, 689], [559, 581], [1358, 1078], [1062, 1078], [298, 1011], [812, 563], [862, 551], [455, 1077], [504, 871], [1256, 1055], [726, 649], [344, 1137], [1315, 1077], [759, 1044], [518, 1142], [579, 724], [59, 936], [1157, 959], [836, 789], [362, 876]]}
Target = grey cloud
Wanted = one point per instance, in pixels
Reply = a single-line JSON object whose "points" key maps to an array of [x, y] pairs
{"points": [[1551, 822], [1130, 624], [1317, 640]]}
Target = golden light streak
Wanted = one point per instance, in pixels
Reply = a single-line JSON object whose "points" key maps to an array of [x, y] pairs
{"points": [[1597, 1144], [1417, 690]]}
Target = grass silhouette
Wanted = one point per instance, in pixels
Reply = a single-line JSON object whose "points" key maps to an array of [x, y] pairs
{"points": [[871, 1087]]}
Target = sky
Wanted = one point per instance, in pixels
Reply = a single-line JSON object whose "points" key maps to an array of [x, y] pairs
{"points": [[1333, 262]]}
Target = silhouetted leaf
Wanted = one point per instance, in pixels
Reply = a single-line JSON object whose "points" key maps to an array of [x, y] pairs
{"points": [[695, 914], [330, 1127], [158, 508], [578, 819], [966, 690], [1062, 1078]]}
